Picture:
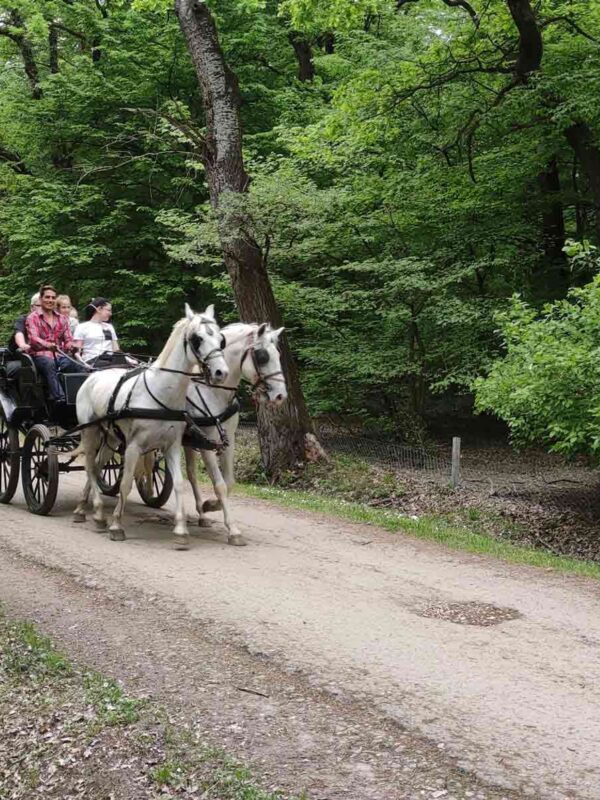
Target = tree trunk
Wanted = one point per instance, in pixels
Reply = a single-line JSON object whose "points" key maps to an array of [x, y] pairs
{"points": [[581, 139], [552, 280], [303, 51], [327, 42], [53, 49], [531, 46], [26, 50], [282, 431]]}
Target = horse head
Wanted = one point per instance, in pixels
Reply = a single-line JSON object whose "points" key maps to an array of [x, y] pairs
{"points": [[261, 365], [204, 341]]}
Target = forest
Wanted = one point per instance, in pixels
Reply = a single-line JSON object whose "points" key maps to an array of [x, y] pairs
{"points": [[420, 187]]}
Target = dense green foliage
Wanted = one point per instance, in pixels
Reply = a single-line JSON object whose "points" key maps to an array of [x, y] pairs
{"points": [[399, 193], [548, 385]]}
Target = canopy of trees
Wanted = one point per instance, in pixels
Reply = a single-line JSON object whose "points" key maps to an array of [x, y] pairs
{"points": [[411, 165]]}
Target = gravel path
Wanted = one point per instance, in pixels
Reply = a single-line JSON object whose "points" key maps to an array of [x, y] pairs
{"points": [[332, 657]]}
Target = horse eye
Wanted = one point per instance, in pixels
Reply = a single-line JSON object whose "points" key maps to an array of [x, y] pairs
{"points": [[262, 357], [195, 341], [223, 342]]}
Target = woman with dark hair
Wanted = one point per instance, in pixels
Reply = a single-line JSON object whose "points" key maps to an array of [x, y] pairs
{"points": [[96, 338]]}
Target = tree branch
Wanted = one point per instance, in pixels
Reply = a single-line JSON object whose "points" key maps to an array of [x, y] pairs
{"points": [[466, 6], [14, 161], [570, 22], [187, 130]]}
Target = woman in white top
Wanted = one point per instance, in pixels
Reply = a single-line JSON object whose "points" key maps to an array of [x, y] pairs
{"points": [[96, 338]]}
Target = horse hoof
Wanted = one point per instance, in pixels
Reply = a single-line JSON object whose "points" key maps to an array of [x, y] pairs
{"points": [[117, 535], [78, 516], [211, 505], [204, 523], [181, 541], [100, 524], [237, 540]]}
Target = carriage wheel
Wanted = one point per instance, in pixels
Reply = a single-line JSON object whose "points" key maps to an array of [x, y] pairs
{"points": [[111, 473], [39, 471], [159, 492], [9, 460]]}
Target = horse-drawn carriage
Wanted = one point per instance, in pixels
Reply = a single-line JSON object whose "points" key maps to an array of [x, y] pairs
{"points": [[36, 439]]}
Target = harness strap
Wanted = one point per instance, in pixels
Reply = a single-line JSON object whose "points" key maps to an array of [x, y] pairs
{"points": [[208, 421], [127, 376]]}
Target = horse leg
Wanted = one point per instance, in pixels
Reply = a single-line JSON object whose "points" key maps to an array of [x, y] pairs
{"points": [[132, 454], [79, 513], [234, 535], [89, 447], [226, 462], [213, 503], [180, 531], [192, 476], [227, 459]]}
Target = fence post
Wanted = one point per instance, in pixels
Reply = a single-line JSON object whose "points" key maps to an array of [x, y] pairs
{"points": [[455, 473]]}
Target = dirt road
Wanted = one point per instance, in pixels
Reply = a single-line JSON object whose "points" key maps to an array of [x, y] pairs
{"points": [[372, 682]]}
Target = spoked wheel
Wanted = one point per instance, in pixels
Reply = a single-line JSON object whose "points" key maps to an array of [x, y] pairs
{"points": [[157, 491], [39, 471], [111, 473], [9, 460]]}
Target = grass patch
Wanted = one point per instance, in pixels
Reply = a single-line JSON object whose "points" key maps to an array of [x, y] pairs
{"points": [[64, 728], [27, 654], [426, 527], [111, 704]]}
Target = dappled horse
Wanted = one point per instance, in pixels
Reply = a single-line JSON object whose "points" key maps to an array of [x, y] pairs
{"points": [[160, 390], [251, 354]]}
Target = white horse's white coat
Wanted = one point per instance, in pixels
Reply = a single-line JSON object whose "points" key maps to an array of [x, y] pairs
{"points": [[194, 339], [240, 338]]}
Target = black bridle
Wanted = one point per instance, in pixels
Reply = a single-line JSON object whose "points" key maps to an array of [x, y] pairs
{"points": [[262, 381]]}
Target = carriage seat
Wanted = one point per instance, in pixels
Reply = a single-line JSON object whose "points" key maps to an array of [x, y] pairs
{"points": [[17, 365]]}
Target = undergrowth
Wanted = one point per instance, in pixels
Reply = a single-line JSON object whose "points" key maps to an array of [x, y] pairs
{"points": [[66, 730], [361, 492], [343, 477]]}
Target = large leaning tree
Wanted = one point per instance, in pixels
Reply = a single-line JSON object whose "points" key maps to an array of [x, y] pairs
{"points": [[283, 430]]}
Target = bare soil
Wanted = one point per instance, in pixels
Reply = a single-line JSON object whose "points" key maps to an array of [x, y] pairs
{"points": [[307, 654]]}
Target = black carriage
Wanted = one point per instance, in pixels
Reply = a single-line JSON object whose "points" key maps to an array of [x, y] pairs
{"points": [[36, 439]]}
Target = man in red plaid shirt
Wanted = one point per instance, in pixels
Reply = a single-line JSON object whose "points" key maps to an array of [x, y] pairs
{"points": [[49, 332]]}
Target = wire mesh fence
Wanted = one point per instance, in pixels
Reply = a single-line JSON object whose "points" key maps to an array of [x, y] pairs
{"points": [[533, 479]]}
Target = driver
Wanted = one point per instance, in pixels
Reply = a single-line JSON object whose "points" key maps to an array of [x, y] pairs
{"points": [[49, 334]]}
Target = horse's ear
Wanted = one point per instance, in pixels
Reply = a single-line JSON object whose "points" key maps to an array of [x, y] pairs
{"points": [[210, 312], [188, 312], [261, 330], [276, 334]]}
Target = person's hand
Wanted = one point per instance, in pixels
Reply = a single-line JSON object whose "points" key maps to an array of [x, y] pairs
{"points": [[25, 348], [51, 346]]}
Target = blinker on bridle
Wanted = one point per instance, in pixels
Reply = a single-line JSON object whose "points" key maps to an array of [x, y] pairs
{"points": [[194, 342], [260, 358]]}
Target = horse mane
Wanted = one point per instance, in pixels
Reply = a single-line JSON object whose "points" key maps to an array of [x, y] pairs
{"points": [[238, 330], [171, 342], [175, 337]]}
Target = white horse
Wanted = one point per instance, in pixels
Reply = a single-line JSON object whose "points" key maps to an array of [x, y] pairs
{"points": [[251, 354], [160, 388]]}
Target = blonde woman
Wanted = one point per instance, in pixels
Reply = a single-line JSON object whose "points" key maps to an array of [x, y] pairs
{"points": [[64, 306]]}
